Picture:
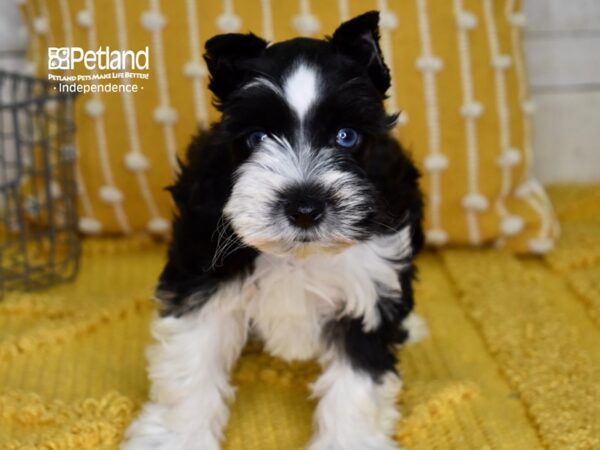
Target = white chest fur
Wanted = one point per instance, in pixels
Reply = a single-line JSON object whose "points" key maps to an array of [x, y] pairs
{"points": [[291, 299]]}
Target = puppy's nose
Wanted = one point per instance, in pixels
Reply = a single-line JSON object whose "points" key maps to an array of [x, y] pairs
{"points": [[305, 212]]}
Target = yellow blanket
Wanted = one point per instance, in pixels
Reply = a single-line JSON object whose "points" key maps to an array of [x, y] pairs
{"points": [[512, 361]]}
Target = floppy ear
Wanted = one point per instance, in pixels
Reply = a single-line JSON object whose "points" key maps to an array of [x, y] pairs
{"points": [[204, 250], [227, 57], [358, 39]]}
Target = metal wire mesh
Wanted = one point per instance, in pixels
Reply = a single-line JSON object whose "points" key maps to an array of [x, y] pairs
{"points": [[39, 244]]}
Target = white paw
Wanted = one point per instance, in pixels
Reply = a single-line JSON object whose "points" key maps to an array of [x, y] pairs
{"points": [[416, 327], [148, 432], [168, 442], [365, 442]]}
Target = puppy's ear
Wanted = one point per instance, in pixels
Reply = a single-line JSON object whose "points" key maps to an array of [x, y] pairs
{"points": [[204, 249], [358, 39], [227, 57]]}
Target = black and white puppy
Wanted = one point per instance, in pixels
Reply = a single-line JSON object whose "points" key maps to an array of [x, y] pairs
{"points": [[298, 218]]}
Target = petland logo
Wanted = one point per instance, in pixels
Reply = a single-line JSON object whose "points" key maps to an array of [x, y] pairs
{"points": [[104, 70], [65, 58]]}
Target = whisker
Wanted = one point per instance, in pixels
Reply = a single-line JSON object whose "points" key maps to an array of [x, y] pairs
{"points": [[227, 242], [386, 226]]}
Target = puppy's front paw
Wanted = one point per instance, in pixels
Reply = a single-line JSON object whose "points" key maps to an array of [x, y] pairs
{"points": [[149, 432], [376, 442], [168, 441]]}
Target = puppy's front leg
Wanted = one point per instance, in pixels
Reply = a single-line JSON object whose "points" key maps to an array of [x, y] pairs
{"points": [[355, 411], [189, 371]]}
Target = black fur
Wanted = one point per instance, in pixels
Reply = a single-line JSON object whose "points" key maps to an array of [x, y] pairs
{"points": [[226, 57], [355, 79], [375, 351], [200, 193], [359, 39]]}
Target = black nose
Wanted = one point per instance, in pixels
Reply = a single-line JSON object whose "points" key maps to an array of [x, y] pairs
{"points": [[305, 212]]}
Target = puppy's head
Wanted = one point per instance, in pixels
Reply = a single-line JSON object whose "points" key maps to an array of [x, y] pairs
{"points": [[305, 116]]}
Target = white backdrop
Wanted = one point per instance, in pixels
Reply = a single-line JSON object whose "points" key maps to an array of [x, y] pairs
{"points": [[563, 54], [563, 51]]}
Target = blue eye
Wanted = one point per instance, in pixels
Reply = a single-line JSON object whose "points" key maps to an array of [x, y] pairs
{"points": [[347, 138], [255, 138]]}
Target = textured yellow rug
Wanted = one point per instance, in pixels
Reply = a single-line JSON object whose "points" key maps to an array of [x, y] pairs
{"points": [[512, 362]]}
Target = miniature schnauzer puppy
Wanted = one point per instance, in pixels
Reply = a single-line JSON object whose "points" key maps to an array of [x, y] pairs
{"points": [[298, 220]]}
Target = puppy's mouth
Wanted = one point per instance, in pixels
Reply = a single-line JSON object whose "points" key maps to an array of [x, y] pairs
{"points": [[334, 242], [303, 246]]}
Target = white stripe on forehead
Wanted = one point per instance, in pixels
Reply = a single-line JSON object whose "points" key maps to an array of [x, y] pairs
{"points": [[300, 89]]}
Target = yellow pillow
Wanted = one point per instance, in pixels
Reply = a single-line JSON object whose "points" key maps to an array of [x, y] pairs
{"points": [[457, 75]]}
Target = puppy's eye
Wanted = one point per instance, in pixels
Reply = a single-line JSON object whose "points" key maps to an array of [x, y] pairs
{"points": [[347, 138], [255, 138]]}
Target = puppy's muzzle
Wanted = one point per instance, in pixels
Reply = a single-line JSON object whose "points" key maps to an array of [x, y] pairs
{"points": [[304, 206]]}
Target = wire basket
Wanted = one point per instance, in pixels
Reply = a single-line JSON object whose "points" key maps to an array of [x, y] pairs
{"points": [[39, 244]]}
